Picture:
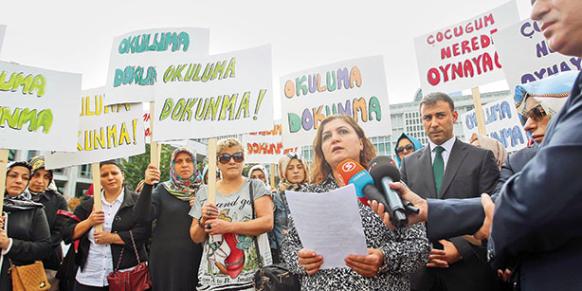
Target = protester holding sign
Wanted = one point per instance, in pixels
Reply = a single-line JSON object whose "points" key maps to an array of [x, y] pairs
{"points": [[100, 253], [392, 254], [24, 231], [174, 258], [52, 202], [234, 228]]}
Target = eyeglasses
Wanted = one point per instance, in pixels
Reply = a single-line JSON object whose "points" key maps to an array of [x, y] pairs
{"points": [[225, 158], [408, 147], [536, 113]]}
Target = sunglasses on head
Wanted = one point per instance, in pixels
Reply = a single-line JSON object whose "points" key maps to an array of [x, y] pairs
{"points": [[536, 113], [293, 155], [407, 147], [225, 158]]}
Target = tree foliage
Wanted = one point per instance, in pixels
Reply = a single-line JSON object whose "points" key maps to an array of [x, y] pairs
{"points": [[135, 166]]}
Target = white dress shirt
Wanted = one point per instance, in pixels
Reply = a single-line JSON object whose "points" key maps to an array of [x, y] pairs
{"points": [[100, 261], [447, 145]]}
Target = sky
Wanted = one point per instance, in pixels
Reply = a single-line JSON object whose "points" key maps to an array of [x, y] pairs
{"points": [[76, 36]]}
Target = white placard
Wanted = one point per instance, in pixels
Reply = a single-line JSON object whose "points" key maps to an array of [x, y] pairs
{"points": [[235, 98], [501, 123], [2, 33], [39, 109], [265, 147], [354, 87], [329, 224], [463, 56], [526, 55], [106, 132], [138, 58]]}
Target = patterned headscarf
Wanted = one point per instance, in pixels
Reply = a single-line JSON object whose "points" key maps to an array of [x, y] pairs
{"points": [[181, 188], [23, 200]]}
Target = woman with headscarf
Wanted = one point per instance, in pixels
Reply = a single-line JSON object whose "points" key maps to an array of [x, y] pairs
{"points": [[294, 176], [259, 172], [52, 201], [24, 230], [405, 146], [174, 258]]}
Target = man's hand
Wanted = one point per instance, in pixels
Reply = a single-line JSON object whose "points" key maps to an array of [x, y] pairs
{"points": [[407, 194], [489, 208], [449, 254], [435, 259]]}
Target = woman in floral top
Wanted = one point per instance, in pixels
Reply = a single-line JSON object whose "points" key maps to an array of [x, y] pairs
{"points": [[393, 255]]}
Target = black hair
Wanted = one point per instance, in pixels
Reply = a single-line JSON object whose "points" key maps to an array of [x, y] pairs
{"points": [[433, 98]]}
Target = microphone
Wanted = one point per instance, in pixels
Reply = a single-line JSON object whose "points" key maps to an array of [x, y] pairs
{"points": [[352, 172], [384, 173]]}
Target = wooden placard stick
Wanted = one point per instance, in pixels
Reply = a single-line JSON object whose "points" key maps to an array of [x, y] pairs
{"points": [[97, 204], [212, 170], [479, 111], [155, 147], [272, 176]]}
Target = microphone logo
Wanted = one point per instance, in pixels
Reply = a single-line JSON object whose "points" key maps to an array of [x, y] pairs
{"points": [[348, 166]]}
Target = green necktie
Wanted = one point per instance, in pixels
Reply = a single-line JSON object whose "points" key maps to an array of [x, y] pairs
{"points": [[438, 168]]}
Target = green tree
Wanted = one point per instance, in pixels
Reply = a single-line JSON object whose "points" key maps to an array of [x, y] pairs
{"points": [[135, 166]]}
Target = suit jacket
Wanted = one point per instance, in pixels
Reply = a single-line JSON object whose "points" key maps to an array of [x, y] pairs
{"points": [[470, 171], [465, 216], [538, 211]]}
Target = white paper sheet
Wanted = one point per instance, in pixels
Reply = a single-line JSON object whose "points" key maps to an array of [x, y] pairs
{"points": [[329, 223]]}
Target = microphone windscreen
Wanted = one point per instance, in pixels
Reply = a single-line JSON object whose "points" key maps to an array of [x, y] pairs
{"points": [[348, 168], [383, 169], [379, 160]]}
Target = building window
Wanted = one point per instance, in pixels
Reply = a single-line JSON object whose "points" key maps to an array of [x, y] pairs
{"points": [[31, 154], [85, 171]]}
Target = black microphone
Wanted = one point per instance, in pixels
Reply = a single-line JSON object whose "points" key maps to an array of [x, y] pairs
{"points": [[385, 173], [352, 172]]}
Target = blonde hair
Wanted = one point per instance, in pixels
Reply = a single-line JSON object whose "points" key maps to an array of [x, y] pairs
{"points": [[321, 168], [226, 143]]}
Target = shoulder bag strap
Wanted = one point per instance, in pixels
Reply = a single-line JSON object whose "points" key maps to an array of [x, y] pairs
{"points": [[134, 247], [119, 260], [255, 238]]}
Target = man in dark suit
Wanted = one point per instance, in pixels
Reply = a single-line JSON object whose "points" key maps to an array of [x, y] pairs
{"points": [[449, 168], [538, 214]]}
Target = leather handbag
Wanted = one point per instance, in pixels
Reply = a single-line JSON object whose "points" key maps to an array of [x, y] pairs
{"points": [[29, 277], [136, 279], [272, 277]]}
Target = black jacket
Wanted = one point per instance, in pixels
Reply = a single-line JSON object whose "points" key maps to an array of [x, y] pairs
{"points": [[538, 211], [30, 240], [53, 202], [123, 222]]}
